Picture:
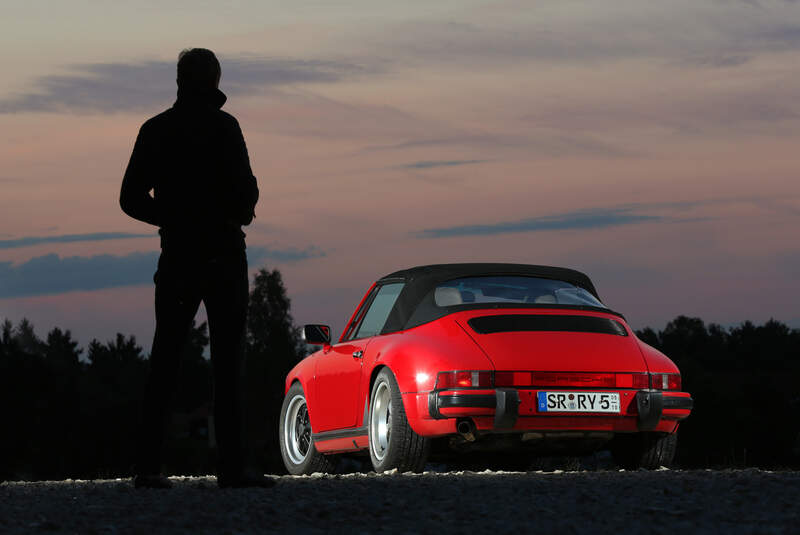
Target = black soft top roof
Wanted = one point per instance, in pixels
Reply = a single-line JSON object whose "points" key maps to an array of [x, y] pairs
{"points": [[415, 305]]}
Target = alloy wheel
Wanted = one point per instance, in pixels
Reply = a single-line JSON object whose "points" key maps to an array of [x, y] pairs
{"points": [[381, 421], [297, 430]]}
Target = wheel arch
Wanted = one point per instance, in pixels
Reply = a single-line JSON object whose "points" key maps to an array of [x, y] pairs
{"points": [[312, 461], [293, 379], [407, 450], [373, 375], [303, 372]]}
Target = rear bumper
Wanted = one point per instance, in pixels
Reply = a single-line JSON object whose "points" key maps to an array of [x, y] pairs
{"points": [[511, 409], [652, 406]]}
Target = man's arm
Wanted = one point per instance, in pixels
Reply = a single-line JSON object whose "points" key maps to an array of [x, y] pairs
{"points": [[245, 186], [134, 198]]}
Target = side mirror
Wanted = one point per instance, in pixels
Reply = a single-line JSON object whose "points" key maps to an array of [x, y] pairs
{"points": [[317, 335]]}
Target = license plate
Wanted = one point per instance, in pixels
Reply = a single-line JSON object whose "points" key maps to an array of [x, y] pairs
{"points": [[578, 402]]}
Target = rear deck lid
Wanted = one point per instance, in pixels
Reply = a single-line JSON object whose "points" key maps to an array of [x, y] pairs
{"points": [[554, 340]]}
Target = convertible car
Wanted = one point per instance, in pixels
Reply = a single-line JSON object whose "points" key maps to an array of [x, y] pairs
{"points": [[461, 358]]}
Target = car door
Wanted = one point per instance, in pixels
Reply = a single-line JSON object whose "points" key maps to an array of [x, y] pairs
{"points": [[338, 375], [338, 371]]}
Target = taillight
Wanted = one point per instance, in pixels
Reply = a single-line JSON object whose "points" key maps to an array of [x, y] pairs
{"points": [[665, 381], [512, 378], [489, 379], [464, 379], [632, 380], [572, 379]]}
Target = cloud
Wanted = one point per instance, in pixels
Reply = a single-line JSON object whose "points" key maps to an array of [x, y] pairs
{"points": [[785, 205], [781, 37], [600, 218], [125, 87], [289, 254], [428, 164], [459, 139], [581, 32], [69, 238], [716, 61], [549, 143], [721, 111], [586, 219], [51, 274]]}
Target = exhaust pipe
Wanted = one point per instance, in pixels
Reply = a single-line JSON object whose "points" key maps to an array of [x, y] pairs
{"points": [[466, 428]]}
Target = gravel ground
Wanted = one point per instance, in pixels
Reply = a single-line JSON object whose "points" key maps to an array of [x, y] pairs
{"points": [[730, 501]]}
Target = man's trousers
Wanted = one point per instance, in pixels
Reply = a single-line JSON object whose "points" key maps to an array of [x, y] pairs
{"points": [[221, 283]]}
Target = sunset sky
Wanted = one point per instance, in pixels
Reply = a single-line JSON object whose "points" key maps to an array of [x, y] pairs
{"points": [[653, 145]]}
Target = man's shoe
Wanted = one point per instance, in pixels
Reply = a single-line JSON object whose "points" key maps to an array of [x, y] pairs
{"points": [[151, 481], [245, 481]]}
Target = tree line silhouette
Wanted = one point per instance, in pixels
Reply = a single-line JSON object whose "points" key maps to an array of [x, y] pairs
{"points": [[70, 413], [745, 382]]}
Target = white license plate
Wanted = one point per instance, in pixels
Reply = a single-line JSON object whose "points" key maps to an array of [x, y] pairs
{"points": [[578, 402]]}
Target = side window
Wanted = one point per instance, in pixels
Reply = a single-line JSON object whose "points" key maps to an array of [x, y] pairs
{"points": [[349, 334], [379, 309]]}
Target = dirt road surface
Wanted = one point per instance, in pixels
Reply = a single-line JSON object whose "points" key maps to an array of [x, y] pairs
{"points": [[666, 501]]}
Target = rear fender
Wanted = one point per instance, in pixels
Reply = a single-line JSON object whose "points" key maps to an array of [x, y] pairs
{"points": [[657, 362], [416, 356], [415, 406]]}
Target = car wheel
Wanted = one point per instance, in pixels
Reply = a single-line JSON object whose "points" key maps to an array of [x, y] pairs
{"points": [[644, 450], [296, 439], [392, 442]]}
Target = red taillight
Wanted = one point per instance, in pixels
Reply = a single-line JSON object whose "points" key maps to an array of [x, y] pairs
{"points": [[512, 378], [665, 381], [572, 379], [674, 381], [633, 380], [464, 379], [488, 379], [589, 380]]}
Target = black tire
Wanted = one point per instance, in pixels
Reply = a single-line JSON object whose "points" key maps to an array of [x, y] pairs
{"points": [[299, 454], [399, 447], [644, 450]]}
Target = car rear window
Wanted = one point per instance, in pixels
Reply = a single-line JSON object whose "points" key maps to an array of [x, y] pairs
{"points": [[512, 289]]}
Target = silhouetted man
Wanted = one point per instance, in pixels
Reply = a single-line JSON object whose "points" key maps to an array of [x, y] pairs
{"points": [[194, 159]]}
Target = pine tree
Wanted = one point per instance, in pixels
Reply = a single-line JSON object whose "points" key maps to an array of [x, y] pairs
{"points": [[274, 346]]}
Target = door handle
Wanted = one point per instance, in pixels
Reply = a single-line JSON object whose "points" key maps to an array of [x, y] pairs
{"points": [[358, 354]]}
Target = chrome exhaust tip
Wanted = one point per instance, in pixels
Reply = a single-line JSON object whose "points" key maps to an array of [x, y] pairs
{"points": [[466, 428]]}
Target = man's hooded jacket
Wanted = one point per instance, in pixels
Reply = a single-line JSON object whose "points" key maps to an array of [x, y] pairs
{"points": [[194, 159]]}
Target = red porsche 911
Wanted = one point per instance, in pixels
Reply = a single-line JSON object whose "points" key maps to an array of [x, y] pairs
{"points": [[457, 358]]}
